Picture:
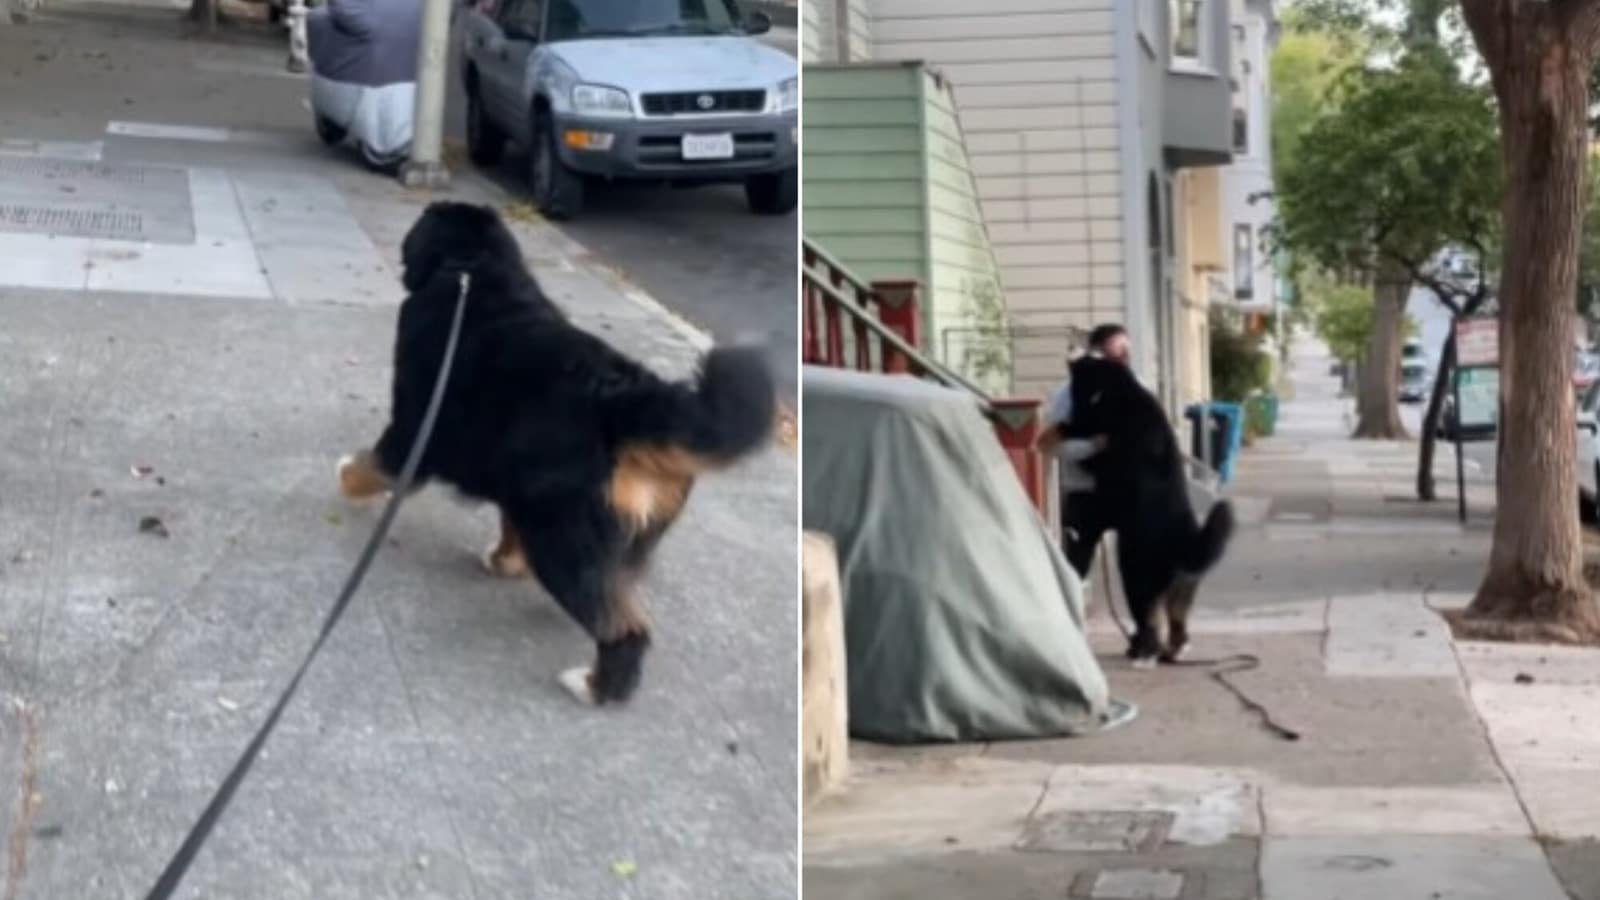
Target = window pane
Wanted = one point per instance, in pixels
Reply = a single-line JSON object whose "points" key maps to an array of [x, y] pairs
{"points": [[1185, 28], [1241, 133], [1243, 265]]}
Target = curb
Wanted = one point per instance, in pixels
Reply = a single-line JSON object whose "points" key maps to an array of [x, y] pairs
{"points": [[697, 338]]}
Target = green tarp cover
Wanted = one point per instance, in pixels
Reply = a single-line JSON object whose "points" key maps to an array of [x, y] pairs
{"points": [[963, 621]]}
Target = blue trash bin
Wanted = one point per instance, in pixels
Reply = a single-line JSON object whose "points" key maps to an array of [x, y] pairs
{"points": [[1226, 431]]}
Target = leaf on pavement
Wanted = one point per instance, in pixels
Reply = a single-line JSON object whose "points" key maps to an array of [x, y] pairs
{"points": [[624, 868]]}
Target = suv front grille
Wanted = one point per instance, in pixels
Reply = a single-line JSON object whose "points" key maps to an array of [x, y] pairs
{"points": [[704, 102], [749, 147]]}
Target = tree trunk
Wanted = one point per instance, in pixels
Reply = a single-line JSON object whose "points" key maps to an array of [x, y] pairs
{"points": [[1430, 419], [1377, 403], [1535, 587]]}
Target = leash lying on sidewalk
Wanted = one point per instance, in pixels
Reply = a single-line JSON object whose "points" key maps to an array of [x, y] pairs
{"points": [[179, 865], [1242, 662]]}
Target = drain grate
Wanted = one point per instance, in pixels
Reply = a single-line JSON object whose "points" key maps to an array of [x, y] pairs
{"points": [[88, 199], [122, 226], [78, 169]]}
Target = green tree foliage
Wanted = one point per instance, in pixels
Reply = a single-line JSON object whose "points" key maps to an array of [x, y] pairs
{"points": [[1305, 67], [1343, 317], [1589, 251], [1406, 164], [1239, 366]]}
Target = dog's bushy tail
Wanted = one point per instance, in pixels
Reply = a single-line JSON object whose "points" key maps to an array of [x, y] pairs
{"points": [[726, 412], [1211, 540]]}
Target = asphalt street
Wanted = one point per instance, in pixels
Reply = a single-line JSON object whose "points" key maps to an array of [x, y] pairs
{"points": [[698, 251]]}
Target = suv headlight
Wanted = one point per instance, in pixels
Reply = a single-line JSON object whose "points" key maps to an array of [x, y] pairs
{"points": [[787, 97], [599, 100]]}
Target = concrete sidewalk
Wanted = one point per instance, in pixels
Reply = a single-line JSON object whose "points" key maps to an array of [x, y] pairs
{"points": [[1427, 768], [198, 322]]}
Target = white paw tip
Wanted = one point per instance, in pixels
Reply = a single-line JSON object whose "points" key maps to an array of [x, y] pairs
{"points": [[1145, 662], [576, 681]]}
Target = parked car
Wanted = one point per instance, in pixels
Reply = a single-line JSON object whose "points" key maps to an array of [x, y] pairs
{"points": [[652, 89], [1585, 371], [1414, 381], [1589, 454]]}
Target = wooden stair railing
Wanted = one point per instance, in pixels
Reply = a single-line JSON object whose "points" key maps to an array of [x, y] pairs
{"points": [[847, 323]]}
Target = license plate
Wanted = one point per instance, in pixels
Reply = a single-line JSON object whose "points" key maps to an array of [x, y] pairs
{"points": [[708, 146]]}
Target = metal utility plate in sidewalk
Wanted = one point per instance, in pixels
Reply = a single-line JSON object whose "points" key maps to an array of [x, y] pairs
{"points": [[87, 199]]}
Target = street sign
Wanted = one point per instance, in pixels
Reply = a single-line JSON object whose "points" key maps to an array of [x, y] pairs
{"points": [[1479, 406], [1477, 342]]}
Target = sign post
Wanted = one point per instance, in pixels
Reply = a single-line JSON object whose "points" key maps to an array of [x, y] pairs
{"points": [[1477, 362]]}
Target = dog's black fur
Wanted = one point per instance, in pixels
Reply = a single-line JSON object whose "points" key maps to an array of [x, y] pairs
{"points": [[1141, 484], [588, 454]]}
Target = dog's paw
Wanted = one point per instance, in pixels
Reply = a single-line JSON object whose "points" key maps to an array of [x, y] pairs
{"points": [[358, 480], [1174, 654], [504, 565], [577, 683], [1144, 662]]}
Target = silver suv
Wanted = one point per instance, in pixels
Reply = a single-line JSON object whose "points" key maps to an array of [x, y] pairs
{"points": [[668, 90]]}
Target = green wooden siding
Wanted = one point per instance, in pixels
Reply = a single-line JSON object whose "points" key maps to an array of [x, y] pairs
{"points": [[862, 158], [889, 191], [967, 312]]}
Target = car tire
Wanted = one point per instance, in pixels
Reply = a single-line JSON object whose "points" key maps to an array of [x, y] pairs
{"points": [[329, 131], [557, 190], [775, 194], [485, 142]]}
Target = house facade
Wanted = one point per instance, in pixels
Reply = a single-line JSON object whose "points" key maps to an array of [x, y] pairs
{"points": [[1247, 186], [1080, 117], [890, 194]]}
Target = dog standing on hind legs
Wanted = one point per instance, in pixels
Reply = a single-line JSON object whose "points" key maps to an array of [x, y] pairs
{"points": [[589, 456], [1162, 551]]}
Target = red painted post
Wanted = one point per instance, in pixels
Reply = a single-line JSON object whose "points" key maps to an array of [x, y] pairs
{"points": [[1017, 427], [809, 295], [833, 323], [899, 309]]}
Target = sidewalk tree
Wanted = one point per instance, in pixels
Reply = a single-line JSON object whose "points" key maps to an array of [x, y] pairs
{"points": [[1309, 59], [1402, 166], [1540, 55]]}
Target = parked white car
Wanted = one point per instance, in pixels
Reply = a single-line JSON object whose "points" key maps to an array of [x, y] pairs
{"points": [[1589, 453]]}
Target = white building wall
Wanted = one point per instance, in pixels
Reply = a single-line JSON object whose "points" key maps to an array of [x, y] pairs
{"points": [[1251, 172], [1035, 81], [834, 31]]}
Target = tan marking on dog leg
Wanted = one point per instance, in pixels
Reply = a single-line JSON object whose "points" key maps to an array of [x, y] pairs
{"points": [[505, 557], [624, 613], [360, 478]]}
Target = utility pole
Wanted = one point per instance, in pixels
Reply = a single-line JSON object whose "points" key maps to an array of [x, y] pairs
{"points": [[425, 168]]}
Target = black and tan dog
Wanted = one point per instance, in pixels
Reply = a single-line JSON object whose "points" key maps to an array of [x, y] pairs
{"points": [[589, 456], [1162, 551]]}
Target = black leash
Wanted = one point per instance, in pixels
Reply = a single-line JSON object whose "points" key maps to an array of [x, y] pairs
{"points": [[1240, 662], [179, 865]]}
